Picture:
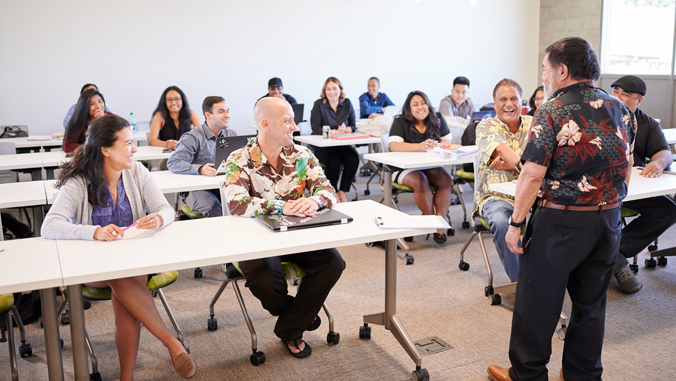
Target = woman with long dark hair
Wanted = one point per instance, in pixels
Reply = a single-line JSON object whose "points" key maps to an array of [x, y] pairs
{"points": [[171, 119], [100, 193], [419, 128], [536, 100], [335, 110], [89, 107]]}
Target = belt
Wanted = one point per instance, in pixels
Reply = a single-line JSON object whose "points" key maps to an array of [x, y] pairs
{"points": [[553, 205]]}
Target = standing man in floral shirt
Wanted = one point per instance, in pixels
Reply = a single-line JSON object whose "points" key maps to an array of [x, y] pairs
{"points": [[271, 175], [579, 155]]}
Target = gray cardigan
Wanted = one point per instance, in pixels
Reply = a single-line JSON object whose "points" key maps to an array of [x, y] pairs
{"points": [[71, 215]]}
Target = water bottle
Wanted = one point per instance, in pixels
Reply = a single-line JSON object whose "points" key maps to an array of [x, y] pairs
{"points": [[132, 122]]}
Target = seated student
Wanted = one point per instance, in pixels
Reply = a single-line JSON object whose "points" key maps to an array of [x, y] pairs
{"points": [[458, 104], [276, 89], [103, 190], [536, 100], [171, 119], [372, 103], [196, 152], [500, 142], [419, 128], [336, 111], [89, 107], [70, 112], [262, 178], [657, 214]]}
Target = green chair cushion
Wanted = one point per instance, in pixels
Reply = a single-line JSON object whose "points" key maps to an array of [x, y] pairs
{"points": [[191, 213], [6, 302], [626, 212], [157, 281], [469, 176], [291, 269], [406, 188]]}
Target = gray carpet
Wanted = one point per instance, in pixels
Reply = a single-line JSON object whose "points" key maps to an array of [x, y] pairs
{"points": [[435, 298]]}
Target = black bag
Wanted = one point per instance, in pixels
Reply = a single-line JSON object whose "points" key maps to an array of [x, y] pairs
{"points": [[13, 132], [29, 307]]}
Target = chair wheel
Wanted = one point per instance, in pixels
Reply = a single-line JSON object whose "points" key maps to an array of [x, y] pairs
{"points": [[494, 299], [395, 199], [212, 324], [450, 232], [65, 319], [95, 376], [650, 263], [561, 333], [420, 375], [488, 290], [408, 239], [257, 358], [464, 266], [633, 268], [198, 273], [465, 224], [25, 350], [652, 248], [293, 281], [367, 192], [365, 332], [333, 338], [662, 261], [455, 202], [408, 259]]}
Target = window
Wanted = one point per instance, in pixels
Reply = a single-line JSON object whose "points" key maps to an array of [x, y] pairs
{"points": [[638, 36]]}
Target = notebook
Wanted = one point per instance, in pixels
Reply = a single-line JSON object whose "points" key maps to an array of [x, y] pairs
{"points": [[324, 217], [225, 146]]}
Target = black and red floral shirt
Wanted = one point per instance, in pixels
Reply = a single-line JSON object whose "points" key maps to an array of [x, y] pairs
{"points": [[585, 137]]}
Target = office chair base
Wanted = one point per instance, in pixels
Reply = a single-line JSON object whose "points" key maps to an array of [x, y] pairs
{"points": [[333, 338], [365, 331], [257, 358], [464, 266], [420, 374]]}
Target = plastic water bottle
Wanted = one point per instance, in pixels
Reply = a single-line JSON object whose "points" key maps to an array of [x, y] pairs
{"points": [[132, 122]]}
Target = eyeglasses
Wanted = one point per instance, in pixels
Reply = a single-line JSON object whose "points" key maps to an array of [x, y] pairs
{"points": [[172, 100], [539, 98]]}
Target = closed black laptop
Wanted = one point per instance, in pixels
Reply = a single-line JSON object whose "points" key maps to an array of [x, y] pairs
{"points": [[324, 217], [225, 146]]}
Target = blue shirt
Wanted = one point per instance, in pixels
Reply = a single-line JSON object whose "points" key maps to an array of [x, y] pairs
{"points": [[119, 215], [195, 149], [323, 115], [368, 105]]}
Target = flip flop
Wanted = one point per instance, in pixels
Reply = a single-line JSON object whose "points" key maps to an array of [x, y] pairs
{"points": [[315, 324], [307, 351]]}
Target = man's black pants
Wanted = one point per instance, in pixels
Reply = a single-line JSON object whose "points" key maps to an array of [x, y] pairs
{"points": [[571, 250], [657, 214], [265, 279]]}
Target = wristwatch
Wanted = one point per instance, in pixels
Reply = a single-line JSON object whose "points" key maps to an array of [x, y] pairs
{"points": [[516, 224]]}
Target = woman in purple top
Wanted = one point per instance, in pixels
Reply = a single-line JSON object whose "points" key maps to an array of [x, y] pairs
{"points": [[102, 190]]}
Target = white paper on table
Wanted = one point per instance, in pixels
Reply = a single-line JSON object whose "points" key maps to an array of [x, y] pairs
{"points": [[39, 137], [133, 233], [412, 222]]}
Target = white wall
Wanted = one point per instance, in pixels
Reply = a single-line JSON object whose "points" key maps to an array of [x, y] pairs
{"points": [[134, 49]]}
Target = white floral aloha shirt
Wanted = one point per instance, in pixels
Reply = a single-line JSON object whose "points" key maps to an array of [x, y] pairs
{"points": [[490, 133], [253, 186]]}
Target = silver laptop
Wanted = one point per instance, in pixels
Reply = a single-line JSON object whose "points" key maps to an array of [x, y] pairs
{"points": [[324, 217]]}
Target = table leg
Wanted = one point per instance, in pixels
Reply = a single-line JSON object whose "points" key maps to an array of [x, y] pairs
{"points": [[389, 318], [77, 332], [387, 183], [51, 330], [38, 216], [36, 174]]}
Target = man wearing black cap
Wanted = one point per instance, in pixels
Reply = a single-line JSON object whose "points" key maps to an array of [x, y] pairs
{"points": [[656, 214], [276, 89]]}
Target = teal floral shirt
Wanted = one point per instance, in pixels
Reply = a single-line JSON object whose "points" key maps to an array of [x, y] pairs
{"points": [[253, 186]]}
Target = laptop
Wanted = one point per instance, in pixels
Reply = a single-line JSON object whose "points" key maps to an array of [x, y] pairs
{"points": [[298, 112], [225, 146], [324, 217], [478, 116]]}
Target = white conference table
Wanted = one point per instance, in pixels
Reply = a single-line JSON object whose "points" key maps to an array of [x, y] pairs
{"points": [[410, 160], [319, 141], [46, 144], [639, 187], [54, 159], [31, 162], [145, 252], [25, 194], [33, 264], [670, 135]]}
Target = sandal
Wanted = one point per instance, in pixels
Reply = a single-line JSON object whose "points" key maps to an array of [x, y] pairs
{"points": [[440, 239], [307, 351], [315, 324]]}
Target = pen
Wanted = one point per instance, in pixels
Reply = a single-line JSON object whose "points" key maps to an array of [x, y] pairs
{"points": [[129, 227]]}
